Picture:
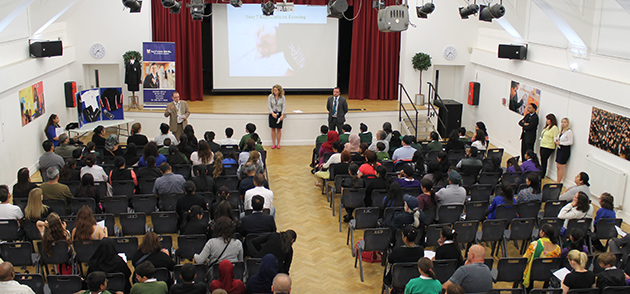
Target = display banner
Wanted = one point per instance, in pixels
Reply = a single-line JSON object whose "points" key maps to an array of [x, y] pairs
{"points": [[158, 72]]}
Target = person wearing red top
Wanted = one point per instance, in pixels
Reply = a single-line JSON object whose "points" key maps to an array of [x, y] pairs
{"points": [[226, 279]]}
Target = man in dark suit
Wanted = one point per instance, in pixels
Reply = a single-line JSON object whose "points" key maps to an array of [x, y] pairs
{"points": [[257, 222], [337, 107], [529, 123]]}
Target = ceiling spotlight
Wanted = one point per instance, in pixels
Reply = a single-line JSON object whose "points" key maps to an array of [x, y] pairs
{"points": [[267, 8], [236, 3], [133, 5], [471, 9], [424, 10], [173, 5], [197, 9], [336, 8], [487, 13]]}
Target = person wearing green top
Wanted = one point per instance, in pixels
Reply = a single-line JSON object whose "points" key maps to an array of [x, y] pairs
{"points": [[345, 133], [250, 128], [381, 154], [547, 145], [146, 282], [426, 283], [435, 144], [366, 137], [97, 283]]}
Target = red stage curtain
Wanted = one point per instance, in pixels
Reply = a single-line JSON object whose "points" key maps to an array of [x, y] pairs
{"points": [[374, 61], [186, 33]]}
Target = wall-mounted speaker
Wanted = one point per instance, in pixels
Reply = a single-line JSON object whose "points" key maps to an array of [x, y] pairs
{"points": [[70, 89], [46, 49], [513, 51], [473, 93]]}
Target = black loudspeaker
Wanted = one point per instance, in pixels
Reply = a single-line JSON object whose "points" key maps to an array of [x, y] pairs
{"points": [[46, 49], [513, 51], [473, 93], [70, 89], [452, 118]]}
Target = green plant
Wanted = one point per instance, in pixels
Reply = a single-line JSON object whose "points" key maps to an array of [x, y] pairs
{"points": [[421, 61], [129, 55]]}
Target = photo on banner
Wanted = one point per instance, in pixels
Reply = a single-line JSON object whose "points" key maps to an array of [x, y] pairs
{"points": [[88, 106], [32, 102], [610, 132], [111, 100], [158, 72], [520, 96]]}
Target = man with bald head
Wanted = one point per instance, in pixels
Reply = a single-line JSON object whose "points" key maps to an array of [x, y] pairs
{"points": [[7, 284], [281, 284], [474, 276]]}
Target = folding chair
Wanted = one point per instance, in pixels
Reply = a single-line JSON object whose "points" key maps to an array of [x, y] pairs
{"points": [[84, 249], [430, 214], [102, 187], [146, 203], [77, 203], [495, 153], [546, 291], [481, 192], [520, 187], [350, 198], [528, 209], [166, 241], [133, 223], [9, 230], [164, 222], [388, 214], [208, 197], [116, 204], [64, 284], [35, 281], [584, 224], [72, 185], [231, 182], [226, 149], [553, 207], [110, 222], [168, 202], [605, 229], [433, 234], [555, 222], [506, 212], [70, 221], [183, 169], [584, 291], [189, 245], [469, 179], [57, 206], [616, 290], [126, 245], [543, 268], [489, 262], [476, 210], [126, 187], [200, 270], [450, 213], [252, 265], [336, 189], [444, 269], [116, 282], [18, 253], [31, 230], [466, 231], [146, 185], [492, 231], [364, 217], [520, 230], [513, 178], [551, 192], [454, 156], [401, 274], [235, 200], [388, 164], [162, 274], [507, 291], [373, 240], [489, 178], [59, 255]]}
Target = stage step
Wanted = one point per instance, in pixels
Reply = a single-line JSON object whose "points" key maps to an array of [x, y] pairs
{"points": [[425, 127]]}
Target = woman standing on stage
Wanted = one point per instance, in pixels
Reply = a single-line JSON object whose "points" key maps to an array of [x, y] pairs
{"points": [[277, 106]]}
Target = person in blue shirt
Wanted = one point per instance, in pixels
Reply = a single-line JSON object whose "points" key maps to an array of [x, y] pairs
{"points": [[606, 202], [506, 197], [51, 129]]}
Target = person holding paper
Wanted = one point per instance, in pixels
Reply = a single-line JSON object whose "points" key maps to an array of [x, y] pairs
{"points": [[53, 130], [277, 107], [106, 259], [178, 112], [86, 227], [579, 278]]}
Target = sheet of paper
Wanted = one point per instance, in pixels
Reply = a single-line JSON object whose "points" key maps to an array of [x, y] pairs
{"points": [[429, 254], [59, 131], [123, 256], [620, 232], [561, 273], [101, 224], [298, 111], [181, 118]]}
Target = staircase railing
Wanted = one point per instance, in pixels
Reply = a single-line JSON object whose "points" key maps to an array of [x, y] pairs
{"points": [[401, 108], [431, 110]]}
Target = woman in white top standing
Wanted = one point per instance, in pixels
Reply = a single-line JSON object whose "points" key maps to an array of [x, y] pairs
{"points": [[563, 142], [277, 106]]}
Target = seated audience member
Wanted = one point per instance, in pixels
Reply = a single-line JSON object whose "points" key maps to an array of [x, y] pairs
{"points": [[345, 133], [185, 146], [23, 186], [107, 260], [531, 162], [438, 170], [474, 276], [36, 210], [77, 155], [532, 192], [366, 137], [247, 182], [335, 158], [49, 158], [226, 280], [250, 128], [202, 180], [479, 141], [150, 171], [576, 242], [482, 127], [165, 133], [64, 149], [259, 181], [453, 193], [137, 138], [326, 147], [146, 282], [427, 283], [435, 144], [380, 182], [90, 148], [8, 210], [188, 285], [254, 159], [505, 196], [86, 228], [189, 131], [151, 250], [262, 281], [176, 157], [112, 147], [381, 136], [606, 210], [454, 143], [319, 140], [92, 168], [279, 244], [87, 189], [229, 132], [427, 198], [131, 155], [281, 284], [581, 185], [203, 155], [406, 179], [8, 284], [395, 141], [257, 222], [545, 246], [169, 182], [409, 251], [394, 196], [369, 167], [470, 165], [189, 199], [191, 222], [512, 165], [69, 171], [381, 154], [99, 137], [54, 190], [55, 231], [209, 137], [404, 153], [223, 242], [611, 276], [224, 208], [579, 277], [97, 284], [222, 195], [121, 172], [353, 145], [448, 248], [579, 208], [419, 167], [387, 128], [164, 150], [462, 135], [228, 161]]}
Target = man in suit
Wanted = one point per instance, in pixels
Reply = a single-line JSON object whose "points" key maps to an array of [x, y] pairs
{"points": [[257, 222], [152, 80], [529, 123], [178, 112], [337, 107]]}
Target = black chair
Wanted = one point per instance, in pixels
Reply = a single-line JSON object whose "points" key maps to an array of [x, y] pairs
{"points": [[335, 189], [489, 178], [528, 209], [512, 178], [364, 218], [72, 185], [520, 230], [9, 230], [616, 290], [231, 182], [200, 270], [102, 187], [183, 169], [430, 214], [126, 245], [168, 202], [583, 224], [551, 192], [469, 179], [21, 202], [553, 207], [351, 198], [64, 284], [59, 254], [166, 241], [164, 222], [388, 164], [18, 253], [492, 231], [489, 262], [454, 156], [450, 213], [146, 203], [116, 204], [110, 222], [84, 249], [35, 281], [388, 214], [77, 203], [208, 197], [584, 291], [226, 149], [555, 222], [266, 211], [57, 206], [126, 187], [444, 269], [373, 240], [481, 192], [476, 210], [495, 153], [133, 223], [403, 272], [510, 270], [146, 185], [605, 229], [70, 221], [433, 234], [162, 274], [189, 245], [116, 282], [546, 291], [31, 230], [252, 265], [507, 291], [506, 212], [466, 231], [543, 268]]}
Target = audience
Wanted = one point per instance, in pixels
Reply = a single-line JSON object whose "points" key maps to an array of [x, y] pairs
{"points": [[176, 157], [189, 131], [151, 250], [151, 150], [69, 172], [427, 198], [35, 209], [262, 281], [257, 222], [381, 137], [474, 276], [576, 242], [86, 228], [49, 159], [87, 189], [345, 133], [379, 183], [136, 138], [579, 208], [202, 180], [545, 246], [229, 132], [146, 282], [369, 167], [107, 260], [611, 276], [222, 247], [581, 185], [406, 179], [404, 153], [259, 181], [453, 193], [482, 126], [164, 150], [97, 284], [435, 144], [188, 285], [530, 162], [381, 153], [121, 172], [506, 196], [23, 186], [99, 137], [281, 284], [606, 210], [192, 223], [462, 135], [226, 280], [56, 231], [150, 171], [532, 192], [366, 137], [470, 164], [64, 149], [579, 277], [479, 141], [203, 155], [169, 182], [186, 147], [448, 247], [165, 134], [112, 147], [8, 210], [131, 155], [250, 128], [54, 190], [354, 143], [279, 244], [409, 251], [427, 283], [186, 201], [454, 143], [8, 283], [92, 168]]}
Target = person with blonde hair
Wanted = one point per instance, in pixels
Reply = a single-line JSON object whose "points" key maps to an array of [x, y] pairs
{"points": [[579, 277], [277, 105], [563, 141], [35, 209]]}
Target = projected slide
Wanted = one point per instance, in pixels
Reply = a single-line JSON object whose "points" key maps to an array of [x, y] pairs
{"points": [[296, 49]]}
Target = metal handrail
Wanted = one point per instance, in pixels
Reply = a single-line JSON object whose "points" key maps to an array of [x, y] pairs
{"points": [[433, 90], [401, 108]]}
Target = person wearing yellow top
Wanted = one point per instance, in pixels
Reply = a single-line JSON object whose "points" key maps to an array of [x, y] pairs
{"points": [[547, 145], [545, 246]]}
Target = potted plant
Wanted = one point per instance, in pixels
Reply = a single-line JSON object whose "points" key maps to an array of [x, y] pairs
{"points": [[421, 61], [129, 55]]}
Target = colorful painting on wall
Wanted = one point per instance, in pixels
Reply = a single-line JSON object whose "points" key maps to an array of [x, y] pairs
{"points": [[32, 102]]}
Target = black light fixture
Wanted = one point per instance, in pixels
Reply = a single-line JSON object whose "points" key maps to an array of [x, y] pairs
{"points": [[236, 3], [197, 9], [174, 6], [465, 12], [133, 5], [424, 10], [267, 7], [487, 13]]}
